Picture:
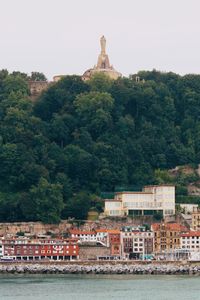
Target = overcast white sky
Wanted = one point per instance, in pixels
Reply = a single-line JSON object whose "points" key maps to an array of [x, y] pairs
{"points": [[62, 36]]}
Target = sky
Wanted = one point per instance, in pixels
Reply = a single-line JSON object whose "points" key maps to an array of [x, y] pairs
{"points": [[62, 36]]}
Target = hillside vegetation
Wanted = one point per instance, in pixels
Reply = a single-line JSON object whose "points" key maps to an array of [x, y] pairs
{"points": [[83, 138]]}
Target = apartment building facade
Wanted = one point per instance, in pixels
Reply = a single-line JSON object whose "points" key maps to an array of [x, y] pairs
{"points": [[41, 249], [190, 241], [167, 236], [136, 244]]}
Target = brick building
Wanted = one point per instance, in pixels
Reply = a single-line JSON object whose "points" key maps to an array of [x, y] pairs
{"points": [[114, 242], [41, 249]]}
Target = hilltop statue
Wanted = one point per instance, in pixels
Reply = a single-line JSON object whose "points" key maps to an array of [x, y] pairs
{"points": [[103, 64], [103, 44], [103, 60]]}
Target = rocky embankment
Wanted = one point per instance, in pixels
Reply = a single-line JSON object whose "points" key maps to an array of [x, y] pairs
{"points": [[96, 268]]}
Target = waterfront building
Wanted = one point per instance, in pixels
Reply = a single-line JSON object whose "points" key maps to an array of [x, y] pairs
{"points": [[102, 236], [190, 241], [97, 235], [196, 219], [114, 242], [107, 241], [136, 244], [83, 236], [167, 236], [54, 249], [153, 199]]}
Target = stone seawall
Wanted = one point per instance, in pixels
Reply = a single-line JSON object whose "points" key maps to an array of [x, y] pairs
{"points": [[166, 268]]}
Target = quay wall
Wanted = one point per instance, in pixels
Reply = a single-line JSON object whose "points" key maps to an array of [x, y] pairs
{"points": [[102, 267]]}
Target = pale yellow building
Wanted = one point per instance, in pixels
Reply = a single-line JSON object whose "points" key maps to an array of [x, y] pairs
{"points": [[196, 219], [153, 199]]}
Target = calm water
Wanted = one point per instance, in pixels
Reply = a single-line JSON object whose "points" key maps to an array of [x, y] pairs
{"points": [[57, 287]]}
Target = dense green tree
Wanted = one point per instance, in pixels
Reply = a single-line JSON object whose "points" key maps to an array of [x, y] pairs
{"points": [[10, 210], [100, 82], [45, 202], [60, 96], [78, 206], [13, 83], [37, 76], [94, 111], [82, 138]]}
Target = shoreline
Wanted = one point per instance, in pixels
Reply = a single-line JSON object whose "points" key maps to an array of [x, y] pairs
{"points": [[102, 267]]}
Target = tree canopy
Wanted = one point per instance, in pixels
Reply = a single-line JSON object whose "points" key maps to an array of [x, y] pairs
{"points": [[84, 138]]}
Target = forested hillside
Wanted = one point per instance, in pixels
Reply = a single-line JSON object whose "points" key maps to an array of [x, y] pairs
{"points": [[83, 138]]}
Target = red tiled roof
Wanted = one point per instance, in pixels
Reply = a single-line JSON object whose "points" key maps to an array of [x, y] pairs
{"points": [[168, 226], [76, 231], [113, 231], [190, 234]]}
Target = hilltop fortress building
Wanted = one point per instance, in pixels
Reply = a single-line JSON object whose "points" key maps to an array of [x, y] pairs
{"points": [[103, 66]]}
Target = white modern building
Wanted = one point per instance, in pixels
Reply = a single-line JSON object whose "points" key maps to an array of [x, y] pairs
{"points": [[188, 208], [102, 236], [153, 199], [83, 236], [190, 241]]}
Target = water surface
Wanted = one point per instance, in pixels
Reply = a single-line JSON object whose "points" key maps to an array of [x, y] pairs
{"points": [[96, 287]]}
